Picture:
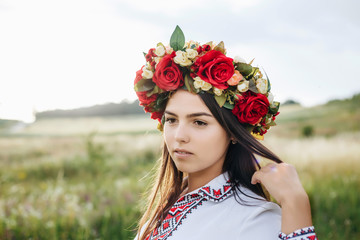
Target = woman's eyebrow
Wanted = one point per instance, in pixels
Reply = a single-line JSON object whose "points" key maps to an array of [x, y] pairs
{"points": [[198, 114]]}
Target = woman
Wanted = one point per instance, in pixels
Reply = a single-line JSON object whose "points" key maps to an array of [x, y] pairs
{"points": [[210, 109]]}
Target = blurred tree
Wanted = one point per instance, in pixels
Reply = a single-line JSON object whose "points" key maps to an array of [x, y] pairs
{"points": [[290, 102], [109, 109], [307, 131]]}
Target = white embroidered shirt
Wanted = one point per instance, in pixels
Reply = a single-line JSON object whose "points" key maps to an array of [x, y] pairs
{"points": [[212, 212]]}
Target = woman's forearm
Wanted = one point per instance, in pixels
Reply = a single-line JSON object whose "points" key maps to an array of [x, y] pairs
{"points": [[296, 213]]}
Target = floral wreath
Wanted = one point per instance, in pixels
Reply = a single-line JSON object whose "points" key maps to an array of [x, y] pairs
{"points": [[235, 84]]}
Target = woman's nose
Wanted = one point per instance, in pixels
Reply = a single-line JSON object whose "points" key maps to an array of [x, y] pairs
{"points": [[182, 134]]}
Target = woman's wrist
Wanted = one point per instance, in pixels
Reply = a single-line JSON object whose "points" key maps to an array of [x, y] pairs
{"points": [[294, 199], [296, 212]]}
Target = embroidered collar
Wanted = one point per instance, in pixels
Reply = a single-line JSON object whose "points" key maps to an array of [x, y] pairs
{"points": [[216, 190]]}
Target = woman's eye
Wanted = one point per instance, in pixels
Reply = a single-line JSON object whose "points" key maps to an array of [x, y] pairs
{"points": [[200, 123], [170, 120]]}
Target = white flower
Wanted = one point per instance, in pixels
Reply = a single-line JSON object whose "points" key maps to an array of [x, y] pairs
{"points": [[238, 59], [160, 50], [169, 50], [147, 73], [199, 83], [157, 60], [270, 98], [191, 53], [262, 85], [243, 86], [192, 42], [217, 91], [182, 59]]}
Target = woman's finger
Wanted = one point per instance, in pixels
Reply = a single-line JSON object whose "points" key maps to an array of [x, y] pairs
{"points": [[256, 177], [259, 174]]}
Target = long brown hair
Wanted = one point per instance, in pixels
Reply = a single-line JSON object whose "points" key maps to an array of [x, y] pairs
{"points": [[240, 163]]}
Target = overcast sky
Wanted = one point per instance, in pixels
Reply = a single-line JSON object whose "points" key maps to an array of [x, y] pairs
{"points": [[73, 53]]}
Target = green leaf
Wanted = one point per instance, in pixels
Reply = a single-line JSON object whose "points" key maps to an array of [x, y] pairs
{"points": [[220, 47], [189, 83], [160, 44], [268, 81], [144, 85], [220, 100], [228, 106], [155, 90], [254, 71], [159, 104], [272, 110], [244, 68], [252, 86], [275, 109], [177, 40], [144, 54], [271, 124]]}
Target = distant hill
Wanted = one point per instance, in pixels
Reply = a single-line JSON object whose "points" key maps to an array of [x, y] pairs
{"points": [[354, 100], [7, 124], [290, 102], [110, 109], [334, 117]]}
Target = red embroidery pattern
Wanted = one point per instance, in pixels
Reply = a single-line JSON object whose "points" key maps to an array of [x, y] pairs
{"points": [[216, 195], [185, 205], [301, 234], [177, 213]]}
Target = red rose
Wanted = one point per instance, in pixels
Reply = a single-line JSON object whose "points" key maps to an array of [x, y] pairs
{"points": [[203, 48], [143, 99], [251, 107], [157, 116], [167, 74], [138, 75], [215, 68], [150, 55]]}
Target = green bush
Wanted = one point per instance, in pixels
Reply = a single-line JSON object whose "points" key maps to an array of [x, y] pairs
{"points": [[307, 131]]}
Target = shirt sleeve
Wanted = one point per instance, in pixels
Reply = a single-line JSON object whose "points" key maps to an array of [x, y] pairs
{"points": [[264, 223], [307, 233]]}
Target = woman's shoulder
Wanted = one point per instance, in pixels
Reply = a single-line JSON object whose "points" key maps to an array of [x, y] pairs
{"points": [[220, 191], [251, 211], [243, 199]]}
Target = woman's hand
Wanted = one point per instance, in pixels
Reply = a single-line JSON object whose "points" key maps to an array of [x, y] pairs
{"points": [[283, 183]]}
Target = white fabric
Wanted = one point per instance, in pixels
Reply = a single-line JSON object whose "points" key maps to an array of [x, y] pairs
{"points": [[230, 220], [213, 213]]}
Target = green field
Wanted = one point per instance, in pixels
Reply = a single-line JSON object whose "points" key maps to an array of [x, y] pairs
{"points": [[84, 178]]}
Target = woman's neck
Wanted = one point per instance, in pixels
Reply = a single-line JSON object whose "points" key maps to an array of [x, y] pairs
{"points": [[198, 179]]}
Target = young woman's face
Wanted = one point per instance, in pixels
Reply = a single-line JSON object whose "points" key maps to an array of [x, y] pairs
{"points": [[195, 140]]}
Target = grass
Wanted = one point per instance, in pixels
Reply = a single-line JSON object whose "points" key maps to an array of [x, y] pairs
{"points": [[72, 188], [89, 187], [326, 120]]}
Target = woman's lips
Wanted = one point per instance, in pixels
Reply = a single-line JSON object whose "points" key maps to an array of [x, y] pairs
{"points": [[182, 153]]}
